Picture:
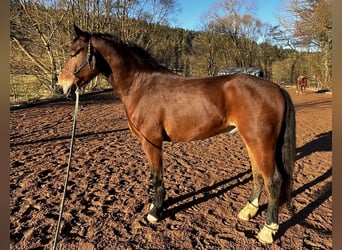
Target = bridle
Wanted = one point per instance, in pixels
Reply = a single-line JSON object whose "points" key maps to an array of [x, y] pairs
{"points": [[89, 58]]}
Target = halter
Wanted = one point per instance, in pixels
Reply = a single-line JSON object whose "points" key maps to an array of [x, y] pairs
{"points": [[90, 56]]}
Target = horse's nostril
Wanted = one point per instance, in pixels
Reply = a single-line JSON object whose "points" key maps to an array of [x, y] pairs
{"points": [[58, 89]]}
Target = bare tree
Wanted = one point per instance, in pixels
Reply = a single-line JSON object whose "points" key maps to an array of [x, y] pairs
{"points": [[268, 51], [137, 18], [234, 19], [33, 30], [309, 22], [207, 47], [41, 31]]}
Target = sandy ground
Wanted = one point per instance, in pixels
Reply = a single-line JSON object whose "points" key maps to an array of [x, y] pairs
{"points": [[207, 182]]}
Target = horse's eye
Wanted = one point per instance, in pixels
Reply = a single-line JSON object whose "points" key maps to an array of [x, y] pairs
{"points": [[75, 53]]}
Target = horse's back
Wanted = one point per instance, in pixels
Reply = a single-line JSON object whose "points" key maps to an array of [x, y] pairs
{"points": [[250, 90], [185, 109]]}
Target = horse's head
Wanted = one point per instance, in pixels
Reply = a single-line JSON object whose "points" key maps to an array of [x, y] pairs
{"points": [[81, 67]]}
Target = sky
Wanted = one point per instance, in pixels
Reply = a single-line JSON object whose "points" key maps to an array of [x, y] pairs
{"points": [[191, 11]]}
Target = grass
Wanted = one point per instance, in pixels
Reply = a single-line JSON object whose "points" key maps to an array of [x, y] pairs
{"points": [[27, 88]]}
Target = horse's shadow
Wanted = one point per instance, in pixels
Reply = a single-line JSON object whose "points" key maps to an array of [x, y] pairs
{"points": [[205, 193], [322, 142], [67, 137], [208, 193], [321, 197]]}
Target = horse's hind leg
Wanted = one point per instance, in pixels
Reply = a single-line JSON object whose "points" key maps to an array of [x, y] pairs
{"points": [[273, 187], [154, 155], [251, 209], [264, 171]]}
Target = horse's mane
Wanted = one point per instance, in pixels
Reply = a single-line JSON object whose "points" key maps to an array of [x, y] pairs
{"points": [[141, 55]]}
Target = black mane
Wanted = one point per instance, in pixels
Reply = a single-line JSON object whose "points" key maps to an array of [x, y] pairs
{"points": [[141, 55]]}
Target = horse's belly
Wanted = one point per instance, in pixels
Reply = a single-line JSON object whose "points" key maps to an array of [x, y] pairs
{"points": [[195, 129]]}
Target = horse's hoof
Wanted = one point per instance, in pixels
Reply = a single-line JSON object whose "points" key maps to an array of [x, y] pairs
{"points": [[150, 217], [266, 234], [248, 212]]}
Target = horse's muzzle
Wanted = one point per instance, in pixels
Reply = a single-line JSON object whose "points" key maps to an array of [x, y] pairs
{"points": [[58, 89], [70, 94], [68, 88]]}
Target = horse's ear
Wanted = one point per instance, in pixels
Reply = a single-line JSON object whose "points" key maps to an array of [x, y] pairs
{"points": [[78, 31]]}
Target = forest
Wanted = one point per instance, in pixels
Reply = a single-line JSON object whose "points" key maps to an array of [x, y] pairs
{"points": [[41, 33]]}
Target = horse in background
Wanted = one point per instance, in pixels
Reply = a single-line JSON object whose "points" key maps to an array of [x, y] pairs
{"points": [[301, 83]]}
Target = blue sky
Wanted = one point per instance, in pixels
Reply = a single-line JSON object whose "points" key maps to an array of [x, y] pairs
{"points": [[191, 11]]}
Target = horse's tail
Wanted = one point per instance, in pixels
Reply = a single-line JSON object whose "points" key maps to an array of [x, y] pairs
{"points": [[286, 148]]}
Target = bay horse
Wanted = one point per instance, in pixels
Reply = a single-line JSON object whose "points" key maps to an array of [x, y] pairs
{"points": [[163, 106], [301, 83]]}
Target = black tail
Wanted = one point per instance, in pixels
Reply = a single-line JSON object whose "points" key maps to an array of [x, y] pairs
{"points": [[286, 148]]}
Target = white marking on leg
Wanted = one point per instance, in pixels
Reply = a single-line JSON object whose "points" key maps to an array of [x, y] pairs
{"points": [[150, 217], [233, 131], [267, 232], [248, 212], [255, 202]]}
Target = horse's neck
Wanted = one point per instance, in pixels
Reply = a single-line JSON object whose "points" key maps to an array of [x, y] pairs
{"points": [[121, 77], [129, 78]]}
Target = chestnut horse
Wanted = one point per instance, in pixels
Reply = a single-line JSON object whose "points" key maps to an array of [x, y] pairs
{"points": [[163, 106], [301, 83]]}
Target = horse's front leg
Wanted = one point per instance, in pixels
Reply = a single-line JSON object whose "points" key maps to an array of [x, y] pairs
{"points": [[154, 155]]}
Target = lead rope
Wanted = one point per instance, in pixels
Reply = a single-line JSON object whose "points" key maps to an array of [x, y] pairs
{"points": [[68, 168]]}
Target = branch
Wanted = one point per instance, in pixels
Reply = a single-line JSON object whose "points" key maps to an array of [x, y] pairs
{"points": [[35, 24], [29, 55], [58, 23]]}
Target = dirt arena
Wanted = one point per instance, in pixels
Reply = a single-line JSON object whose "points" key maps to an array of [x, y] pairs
{"points": [[207, 182]]}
